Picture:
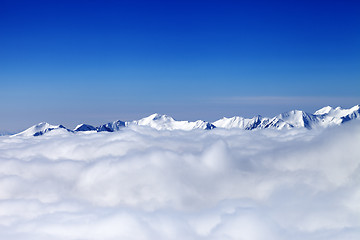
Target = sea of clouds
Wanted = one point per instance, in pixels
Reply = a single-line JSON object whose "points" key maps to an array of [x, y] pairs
{"points": [[140, 183]]}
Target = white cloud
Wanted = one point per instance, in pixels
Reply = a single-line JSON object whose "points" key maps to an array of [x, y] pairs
{"points": [[140, 183]]}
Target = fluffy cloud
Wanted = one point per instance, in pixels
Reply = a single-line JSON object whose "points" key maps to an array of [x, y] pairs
{"points": [[140, 183]]}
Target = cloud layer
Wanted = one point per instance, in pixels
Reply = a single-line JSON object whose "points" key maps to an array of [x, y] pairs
{"points": [[140, 183]]}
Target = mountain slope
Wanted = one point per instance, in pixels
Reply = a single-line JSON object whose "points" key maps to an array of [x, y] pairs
{"points": [[84, 128]]}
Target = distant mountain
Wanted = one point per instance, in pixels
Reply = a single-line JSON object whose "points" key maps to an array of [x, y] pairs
{"points": [[257, 122], [298, 119], [335, 116], [111, 127], [288, 120], [323, 117], [41, 129], [164, 122], [157, 121], [84, 128]]}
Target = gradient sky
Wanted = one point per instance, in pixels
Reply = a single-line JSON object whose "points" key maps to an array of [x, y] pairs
{"points": [[68, 62]]}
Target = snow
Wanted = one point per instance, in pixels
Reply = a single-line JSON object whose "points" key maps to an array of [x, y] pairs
{"points": [[324, 110], [40, 129], [84, 128]]}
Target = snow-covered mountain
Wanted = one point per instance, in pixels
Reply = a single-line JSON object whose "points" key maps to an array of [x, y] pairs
{"points": [[286, 120], [257, 122], [335, 116], [298, 119], [157, 121], [111, 127], [42, 128], [323, 117], [84, 128], [164, 122]]}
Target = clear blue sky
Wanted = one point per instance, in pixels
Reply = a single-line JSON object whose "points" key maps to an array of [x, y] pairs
{"points": [[96, 61]]}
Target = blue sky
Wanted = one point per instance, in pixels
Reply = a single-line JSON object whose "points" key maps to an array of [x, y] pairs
{"points": [[95, 61]]}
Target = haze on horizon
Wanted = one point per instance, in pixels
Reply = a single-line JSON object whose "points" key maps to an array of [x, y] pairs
{"points": [[71, 62]]}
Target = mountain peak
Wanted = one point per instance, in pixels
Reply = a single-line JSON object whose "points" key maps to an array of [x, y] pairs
{"points": [[157, 116], [84, 127], [111, 126], [324, 110], [40, 128]]}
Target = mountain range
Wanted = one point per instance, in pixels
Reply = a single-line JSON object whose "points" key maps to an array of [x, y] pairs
{"points": [[324, 117]]}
